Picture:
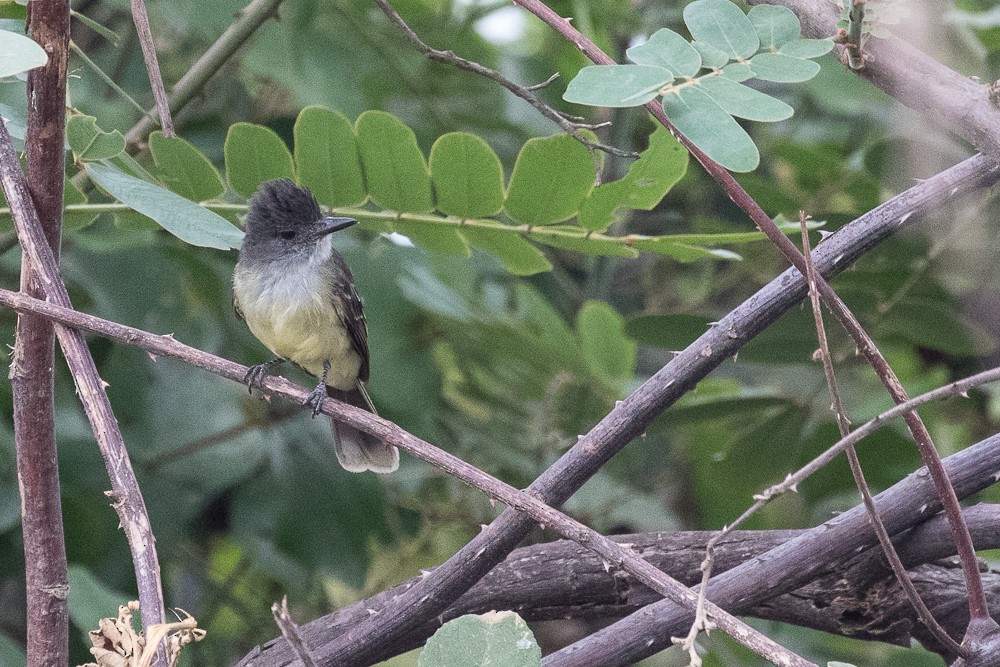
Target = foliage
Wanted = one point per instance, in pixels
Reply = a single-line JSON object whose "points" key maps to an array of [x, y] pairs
{"points": [[494, 638], [578, 292], [734, 47]]}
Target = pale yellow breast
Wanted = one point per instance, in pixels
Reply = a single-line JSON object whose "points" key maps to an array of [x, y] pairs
{"points": [[291, 312]]}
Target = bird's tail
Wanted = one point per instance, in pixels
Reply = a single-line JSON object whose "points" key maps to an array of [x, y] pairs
{"points": [[358, 451]]}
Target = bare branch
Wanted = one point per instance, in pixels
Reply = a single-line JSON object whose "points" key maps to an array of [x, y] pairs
{"points": [[141, 20], [614, 554], [843, 425], [290, 631], [252, 17], [562, 580], [31, 368], [127, 498]]}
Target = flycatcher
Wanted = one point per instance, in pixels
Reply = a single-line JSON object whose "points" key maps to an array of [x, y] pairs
{"points": [[297, 295]]}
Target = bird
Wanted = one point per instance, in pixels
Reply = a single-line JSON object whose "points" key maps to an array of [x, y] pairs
{"points": [[297, 296]]}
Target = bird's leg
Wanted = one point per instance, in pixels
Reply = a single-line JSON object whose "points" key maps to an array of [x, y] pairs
{"points": [[257, 374], [315, 399]]}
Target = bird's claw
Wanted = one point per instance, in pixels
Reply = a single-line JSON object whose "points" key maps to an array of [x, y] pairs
{"points": [[255, 377], [315, 399]]}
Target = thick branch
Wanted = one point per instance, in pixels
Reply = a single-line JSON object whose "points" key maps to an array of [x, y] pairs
{"points": [[31, 368], [126, 496], [561, 580]]}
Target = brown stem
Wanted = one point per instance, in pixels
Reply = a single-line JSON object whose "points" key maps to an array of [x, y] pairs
{"points": [[32, 365], [614, 554], [126, 496], [978, 610], [141, 20], [843, 425]]}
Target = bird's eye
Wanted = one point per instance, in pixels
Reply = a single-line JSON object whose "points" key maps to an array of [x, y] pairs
{"points": [[288, 234]]}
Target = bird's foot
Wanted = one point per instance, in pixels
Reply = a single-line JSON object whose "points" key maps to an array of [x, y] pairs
{"points": [[254, 379], [315, 398]]}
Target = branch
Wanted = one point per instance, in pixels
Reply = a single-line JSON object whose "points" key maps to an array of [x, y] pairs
{"points": [[31, 368], [562, 580], [141, 20], [843, 425], [127, 498], [982, 624], [614, 554], [377, 638], [569, 125], [250, 18]]}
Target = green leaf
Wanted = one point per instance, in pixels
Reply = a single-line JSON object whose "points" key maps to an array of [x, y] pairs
{"points": [[578, 241], [737, 72], [775, 25], [744, 102], [806, 48], [19, 53], [711, 57], [492, 639], [668, 50], [89, 599], [723, 25], [89, 142], [517, 255], [711, 128], [326, 156], [783, 69], [434, 236], [181, 217], [617, 85], [681, 250], [73, 195], [255, 154], [671, 332], [184, 169], [394, 166], [607, 351], [467, 176], [647, 181], [551, 177]]}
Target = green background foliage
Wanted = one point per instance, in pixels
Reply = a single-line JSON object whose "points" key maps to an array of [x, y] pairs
{"points": [[500, 340]]}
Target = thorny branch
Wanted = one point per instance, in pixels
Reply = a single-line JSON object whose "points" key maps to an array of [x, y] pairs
{"points": [[616, 555], [125, 493]]}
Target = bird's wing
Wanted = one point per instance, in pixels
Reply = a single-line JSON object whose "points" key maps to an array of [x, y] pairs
{"points": [[351, 311]]}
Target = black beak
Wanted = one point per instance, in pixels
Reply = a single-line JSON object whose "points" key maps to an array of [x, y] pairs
{"points": [[329, 225]]}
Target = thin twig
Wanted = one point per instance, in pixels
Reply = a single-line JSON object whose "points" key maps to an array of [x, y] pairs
{"points": [[981, 623], [616, 555], [569, 125], [126, 495], [141, 20], [250, 18], [855, 23], [290, 631], [31, 368], [843, 425]]}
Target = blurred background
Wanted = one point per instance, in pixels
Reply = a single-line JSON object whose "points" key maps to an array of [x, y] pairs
{"points": [[247, 501]]}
